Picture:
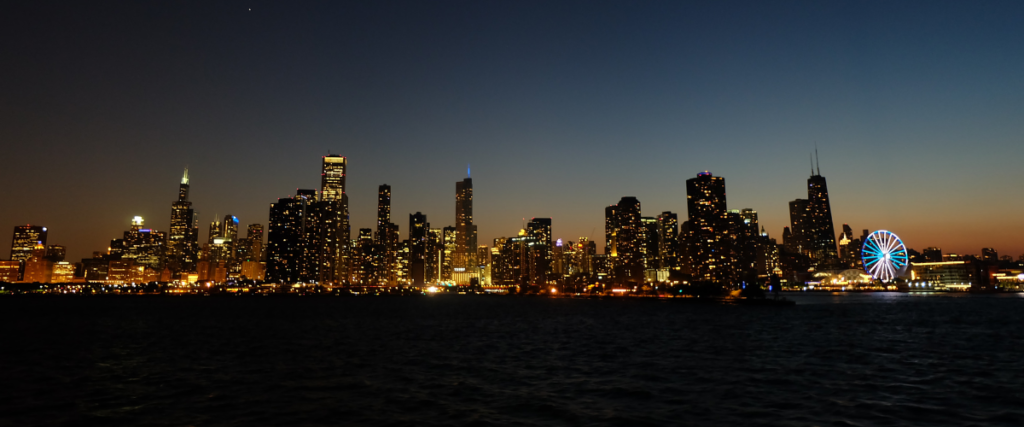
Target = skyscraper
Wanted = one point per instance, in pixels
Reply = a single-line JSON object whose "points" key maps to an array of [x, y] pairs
{"points": [[331, 223], [254, 241], [709, 245], [650, 243], [541, 250], [624, 233], [285, 242], [383, 212], [465, 230], [811, 219], [387, 235], [25, 239], [668, 224], [332, 177], [822, 235], [418, 227], [143, 245], [183, 237]]}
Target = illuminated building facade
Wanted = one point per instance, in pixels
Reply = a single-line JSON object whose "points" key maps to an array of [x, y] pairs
{"points": [[465, 230], [383, 212], [143, 245], [183, 236], [332, 222], [285, 240], [624, 234], [709, 245], [418, 227], [540, 250], [433, 258], [10, 271], [332, 177], [25, 239], [447, 255], [253, 270], [668, 228], [387, 234], [63, 272], [38, 269], [650, 243]]}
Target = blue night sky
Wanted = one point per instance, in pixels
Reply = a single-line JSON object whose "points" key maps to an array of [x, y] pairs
{"points": [[917, 110]]}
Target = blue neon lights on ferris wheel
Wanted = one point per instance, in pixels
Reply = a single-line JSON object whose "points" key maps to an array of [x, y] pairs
{"points": [[884, 255]]}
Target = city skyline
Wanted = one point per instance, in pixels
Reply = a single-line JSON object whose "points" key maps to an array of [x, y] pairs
{"points": [[560, 110], [154, 222]]}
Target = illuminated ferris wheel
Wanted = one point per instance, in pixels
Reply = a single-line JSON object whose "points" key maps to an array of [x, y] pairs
{"points": [[884, 255]]}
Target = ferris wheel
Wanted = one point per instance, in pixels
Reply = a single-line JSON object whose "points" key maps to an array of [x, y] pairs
{"points": [[884, 255]]}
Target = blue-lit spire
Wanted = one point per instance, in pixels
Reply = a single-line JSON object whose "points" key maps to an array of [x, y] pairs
{"points": [[468, 170]]}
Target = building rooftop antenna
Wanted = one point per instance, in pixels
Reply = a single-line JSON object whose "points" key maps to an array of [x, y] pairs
{"points": [[816, 158]]}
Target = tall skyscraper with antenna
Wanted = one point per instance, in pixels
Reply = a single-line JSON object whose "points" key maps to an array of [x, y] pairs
{"points": [[821, 233], [465, 230], [811, 218], [183, 236]]}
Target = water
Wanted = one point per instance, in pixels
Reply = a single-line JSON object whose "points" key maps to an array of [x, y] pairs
{"points": [[849, 360]]}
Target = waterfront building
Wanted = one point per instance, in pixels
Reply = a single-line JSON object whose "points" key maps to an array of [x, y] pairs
{"points": [[947, 275], [253, 270], [38, 269], [989, 255], [709, 245], [10, 271], [63, 272], [25, 239]]}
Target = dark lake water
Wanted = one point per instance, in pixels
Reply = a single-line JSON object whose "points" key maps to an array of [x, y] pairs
{"points": [[850, 360]]}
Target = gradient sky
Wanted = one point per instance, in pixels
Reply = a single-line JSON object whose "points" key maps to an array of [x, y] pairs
{"points": [[917, 109]]}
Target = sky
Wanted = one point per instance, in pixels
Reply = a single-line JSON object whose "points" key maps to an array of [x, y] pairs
{"points": [[560, 108]]}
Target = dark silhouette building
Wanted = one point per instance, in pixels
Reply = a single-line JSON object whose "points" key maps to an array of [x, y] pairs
{"points": [[624, 234], [708, 240], [418, 228], [465, 230], [183, 236], [811, 218]]}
